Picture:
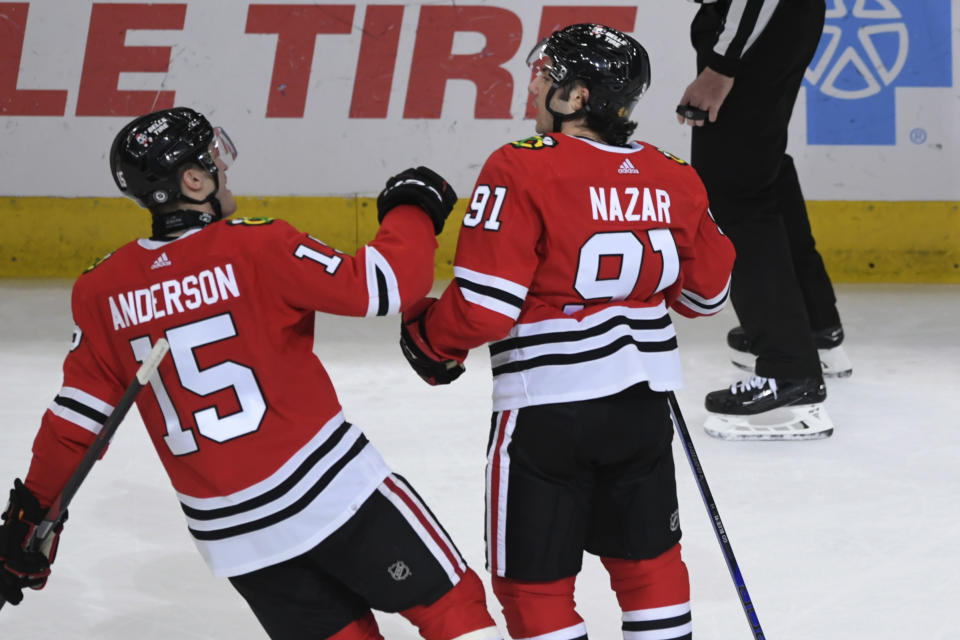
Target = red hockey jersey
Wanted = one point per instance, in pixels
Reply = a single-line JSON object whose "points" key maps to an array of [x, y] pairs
{"points": [[570, 254], [242, 413]]}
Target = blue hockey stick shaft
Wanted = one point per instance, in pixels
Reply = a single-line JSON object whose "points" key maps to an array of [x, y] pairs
{"points": [[715, 520]]}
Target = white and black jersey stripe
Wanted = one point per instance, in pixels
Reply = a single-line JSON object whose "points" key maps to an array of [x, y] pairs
{"points": [[81, 408], [569, 359], [498, 485], [672, 622], [399, 492], [575, 632], [745, 21], [382, 287], [496, 294], [704, 306], [291, 511]]}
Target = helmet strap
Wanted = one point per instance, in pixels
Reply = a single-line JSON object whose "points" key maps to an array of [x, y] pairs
{"points": [[560, 118], [167, 224]]}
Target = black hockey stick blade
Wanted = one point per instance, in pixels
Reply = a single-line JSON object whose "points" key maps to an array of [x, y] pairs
{"points": [[718, 528], [59, 506]]}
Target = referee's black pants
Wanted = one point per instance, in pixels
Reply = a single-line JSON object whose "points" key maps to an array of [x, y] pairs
{"points": [[780, 290]]}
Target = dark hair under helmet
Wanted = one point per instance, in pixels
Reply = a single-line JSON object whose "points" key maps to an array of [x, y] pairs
{"points": [[148, 153], [614, 67]]}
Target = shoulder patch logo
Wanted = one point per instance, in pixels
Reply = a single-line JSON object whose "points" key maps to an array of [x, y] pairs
{"points": [[250, 222], [97, 262], [535, 142], [671, 156]]}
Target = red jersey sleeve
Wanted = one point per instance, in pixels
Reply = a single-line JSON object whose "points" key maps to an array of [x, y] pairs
{"points": [[386, 275], [71, 423], [495, 261], [705, 265]]}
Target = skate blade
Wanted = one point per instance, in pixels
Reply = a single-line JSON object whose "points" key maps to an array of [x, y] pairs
{"points": [[799, 422], [833, 362]]}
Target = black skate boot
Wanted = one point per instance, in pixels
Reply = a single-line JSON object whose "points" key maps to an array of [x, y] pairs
{"points": [[758, 395], [769, 409], [833, 358]]}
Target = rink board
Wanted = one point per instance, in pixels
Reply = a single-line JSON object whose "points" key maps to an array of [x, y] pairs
{"points": [[860, 241]]}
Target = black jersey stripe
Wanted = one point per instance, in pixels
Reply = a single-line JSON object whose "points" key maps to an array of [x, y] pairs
{"points": [[661, 623], [490, 292], [586, 356], [580, 334], [703, 304], [383, 299], [82, 409], [436, 521], [290, 510], [277, 492], [743, 30]]}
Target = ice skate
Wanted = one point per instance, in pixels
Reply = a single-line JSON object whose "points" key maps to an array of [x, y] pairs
{"points": [[834, 361], [769, 409]]}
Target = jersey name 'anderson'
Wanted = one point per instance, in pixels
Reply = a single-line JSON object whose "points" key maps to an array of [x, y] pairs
{"points": [[138, 306]]}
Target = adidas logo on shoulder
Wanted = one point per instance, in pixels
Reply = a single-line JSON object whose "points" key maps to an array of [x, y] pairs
{"points": [[627, 167], [162, 261]]}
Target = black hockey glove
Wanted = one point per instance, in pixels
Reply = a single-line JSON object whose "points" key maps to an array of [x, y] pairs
{"points": [[20, 568], [421, 187], [430, 366]]}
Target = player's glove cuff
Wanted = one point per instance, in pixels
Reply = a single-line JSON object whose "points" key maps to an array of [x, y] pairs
{"points": [[434, 369], [21, 567], [420, 187]]}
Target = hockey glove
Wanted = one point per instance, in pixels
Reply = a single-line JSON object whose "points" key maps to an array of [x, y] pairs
{"points": [[20, 567], [420, 187], [430, 366]]}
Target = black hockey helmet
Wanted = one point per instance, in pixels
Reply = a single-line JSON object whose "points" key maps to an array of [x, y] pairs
{"points": [[614, 67], [147, 155]]}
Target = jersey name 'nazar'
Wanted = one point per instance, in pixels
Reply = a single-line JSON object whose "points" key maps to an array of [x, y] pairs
{"points": [[142, 305], [610, 209]]}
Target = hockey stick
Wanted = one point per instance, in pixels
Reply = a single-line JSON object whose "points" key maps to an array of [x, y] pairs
{"points": [[714, 513], [55, 513]]}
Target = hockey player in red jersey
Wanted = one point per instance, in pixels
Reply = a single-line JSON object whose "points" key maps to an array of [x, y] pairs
{"points": [[282, 495], [574, 246]]}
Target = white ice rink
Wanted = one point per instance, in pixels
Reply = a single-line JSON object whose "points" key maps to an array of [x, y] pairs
{"points": [[853, 537]]}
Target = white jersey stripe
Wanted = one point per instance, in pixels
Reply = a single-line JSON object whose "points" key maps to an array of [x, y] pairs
{"points": [[493, 304], [498, 480], [85, 398], [709, 302], [318, 489], [390, 492], [490, 633], [705, 306], [435, 527], [324, 433], [575, 344], [671, 633], [766, 12], [570, 633], [295, 533], [78, 419], [483, 279], [382, 286], [732, 25], [658, 623], [569, 359], [656, 613], [288, 497]]}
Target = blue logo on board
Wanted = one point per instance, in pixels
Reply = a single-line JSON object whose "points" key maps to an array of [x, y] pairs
{"points": [[869, 49]]}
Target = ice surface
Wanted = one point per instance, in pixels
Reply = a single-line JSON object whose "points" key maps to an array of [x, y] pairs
{"points": [[856, 536]]}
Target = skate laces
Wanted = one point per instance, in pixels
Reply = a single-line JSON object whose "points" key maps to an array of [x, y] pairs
{"points": [[756, 382]]}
